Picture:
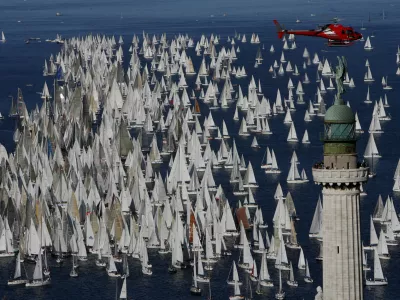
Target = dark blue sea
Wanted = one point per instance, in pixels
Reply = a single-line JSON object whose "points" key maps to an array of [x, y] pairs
{"points": [[21, 65]]}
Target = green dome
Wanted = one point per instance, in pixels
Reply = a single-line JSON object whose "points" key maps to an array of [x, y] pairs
{"points": [[339, 114]]}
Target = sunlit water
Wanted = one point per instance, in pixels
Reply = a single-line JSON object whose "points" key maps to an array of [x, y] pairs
{"points": [[21, 64]]}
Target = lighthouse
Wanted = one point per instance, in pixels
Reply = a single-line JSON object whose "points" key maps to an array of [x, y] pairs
{"points": [[341, 176]]}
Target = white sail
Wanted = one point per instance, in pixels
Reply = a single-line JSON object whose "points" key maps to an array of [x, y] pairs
{"points": [[305, 139], [378, 273], [292, 136], [302, 263], [17, 273], [373, 237], [123, 294], [264, 274], [38, 273], [368, 45], [316, 225], [382, 248], [371, 150]]}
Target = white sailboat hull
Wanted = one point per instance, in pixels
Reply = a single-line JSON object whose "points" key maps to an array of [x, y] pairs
{"points": [[266, 283], [113, 274], [7, 254], [37, 283], [370, 282], [272, 171], [297, 181], [292, 283], [308, 280], [237, 297], [13, 282]]}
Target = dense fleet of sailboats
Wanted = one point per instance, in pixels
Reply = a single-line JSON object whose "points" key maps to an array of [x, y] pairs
{"points": [[87, 175]]}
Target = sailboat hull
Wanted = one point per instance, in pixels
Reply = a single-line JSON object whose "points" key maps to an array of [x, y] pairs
{"points": [[370, 282], [203, 279], [266, 283], [195, 291], [37, 283], [308, 279], [13, 282], [237, 297], [6, 254], [297, 181], [113, 274], [292, 283], [271, 171], [232, 282]]}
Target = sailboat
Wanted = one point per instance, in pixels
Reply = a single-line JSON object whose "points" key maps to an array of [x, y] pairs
{"points": [[264, 278], [371, 149], [38, 279], [254, 272], [368, 75], [373, 237], [371, 172], [73, 272], [281, 261], [17, 280], [280, 294], [293, 244], [307, 277], [385, 84], [378, 279], [291, 280], [243, 128], [368, 45], [3, 38], [368, 98], [235, 275], [382, 248], [292, 136], [305, 139], [294, 175], [201, 277], [99, 262], [271, 165], [375, 126], [236, 294], [255, 144], [112, 268], [316, 225], [194, 289], [123, 294]]}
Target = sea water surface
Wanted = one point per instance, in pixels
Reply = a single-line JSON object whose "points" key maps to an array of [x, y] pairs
{"points": [[21, 64]]}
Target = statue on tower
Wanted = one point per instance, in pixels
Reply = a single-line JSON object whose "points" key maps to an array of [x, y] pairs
{"points": [[341, 70], [319, 295]]}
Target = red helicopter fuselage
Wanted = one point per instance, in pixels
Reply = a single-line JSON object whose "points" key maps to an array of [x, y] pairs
{"points": [[336, 34]]}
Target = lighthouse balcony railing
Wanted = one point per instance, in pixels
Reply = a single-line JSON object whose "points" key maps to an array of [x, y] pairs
{"points": [[323, 174], [324, 137]]}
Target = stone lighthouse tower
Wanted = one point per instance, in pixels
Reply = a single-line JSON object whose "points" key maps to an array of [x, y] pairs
{"points": [[341, 176]]}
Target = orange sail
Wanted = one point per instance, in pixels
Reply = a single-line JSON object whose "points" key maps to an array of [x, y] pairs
{"points": [[191, 227], [242, 216]]}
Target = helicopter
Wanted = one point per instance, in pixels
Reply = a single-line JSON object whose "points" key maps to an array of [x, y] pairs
{"points": [[336, 34]]}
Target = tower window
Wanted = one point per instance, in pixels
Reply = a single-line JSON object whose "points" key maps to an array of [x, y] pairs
{"points": [[337, 249], [348, 165]]}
